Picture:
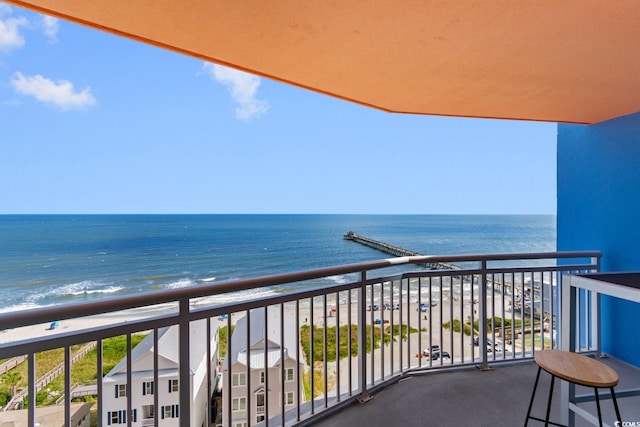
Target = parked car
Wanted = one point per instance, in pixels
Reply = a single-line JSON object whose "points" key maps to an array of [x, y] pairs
{"points": [[425, 305], [490, 345], [435, 355], [429, 351]]}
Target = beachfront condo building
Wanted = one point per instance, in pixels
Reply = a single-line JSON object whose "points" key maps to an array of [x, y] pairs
{"points": [[143, 386], [256, 374]]}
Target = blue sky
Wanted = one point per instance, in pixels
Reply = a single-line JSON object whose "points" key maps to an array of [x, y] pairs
{"points": [[94, 123]]}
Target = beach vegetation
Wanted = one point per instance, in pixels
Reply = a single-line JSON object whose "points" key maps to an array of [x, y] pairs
{"points": [[222, 340], [399, 331], [458, 326], [492, 323], [499, 322], [318, 382], [10, 379], [83, 371], [345, 345], [16, 378], [5, 395], [340, 344], [113, 350], [537, 341]]}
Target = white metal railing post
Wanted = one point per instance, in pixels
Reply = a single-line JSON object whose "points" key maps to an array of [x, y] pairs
{"points": [[596, 322]]}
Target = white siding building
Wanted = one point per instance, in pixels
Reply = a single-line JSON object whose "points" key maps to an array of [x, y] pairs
{"points": [[143, 387], [249, 401]]}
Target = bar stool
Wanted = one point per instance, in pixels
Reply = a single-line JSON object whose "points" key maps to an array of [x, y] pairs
{"points": [[576, 369]]}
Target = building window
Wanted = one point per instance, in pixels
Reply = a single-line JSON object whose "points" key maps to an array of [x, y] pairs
{"points": [[113, 417], [262, 377], [289, 400], [238, 379], [260, 403], [173, 386], [289, 374], [259, 418], [116, 417], [240, 424], [239, 404], [170, 411], [121, 390], [147, 387]]}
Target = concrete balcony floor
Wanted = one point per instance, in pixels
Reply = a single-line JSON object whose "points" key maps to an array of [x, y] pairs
{"points": [[471, 397]]}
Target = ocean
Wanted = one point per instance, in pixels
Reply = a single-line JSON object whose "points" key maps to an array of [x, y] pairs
{"points": [[57, 259]]}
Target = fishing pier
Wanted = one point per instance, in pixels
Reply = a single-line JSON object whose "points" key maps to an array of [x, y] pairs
{"points": [[395, 250]]}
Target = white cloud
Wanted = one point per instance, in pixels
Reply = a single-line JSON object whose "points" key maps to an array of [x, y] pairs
{"points": [[242, 87], [51, 27], [59, 94], [10, 36]]}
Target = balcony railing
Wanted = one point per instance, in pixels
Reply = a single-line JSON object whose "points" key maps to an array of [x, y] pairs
{"points": [[325, 346], [581, 324]]}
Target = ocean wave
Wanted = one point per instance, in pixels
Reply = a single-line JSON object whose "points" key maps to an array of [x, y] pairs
{"points": [[85, 287], [23, 306], [208, 279], [339, 279], [182, 283], [108, 290], [232, 297]]}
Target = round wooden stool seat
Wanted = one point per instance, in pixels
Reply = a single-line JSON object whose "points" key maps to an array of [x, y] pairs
{"points": [[577, 368]]}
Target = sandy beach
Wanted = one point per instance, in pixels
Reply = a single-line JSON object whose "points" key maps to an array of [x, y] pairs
{"points": [[79, 324]]}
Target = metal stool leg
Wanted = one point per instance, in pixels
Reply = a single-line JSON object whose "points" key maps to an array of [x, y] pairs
{"points": [[615, 405], [533, 395], [546, 420], [598, 405]]}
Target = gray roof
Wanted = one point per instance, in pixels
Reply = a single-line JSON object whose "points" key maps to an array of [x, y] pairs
{"points": [[256, 336], [168, 345], [256, 357]]}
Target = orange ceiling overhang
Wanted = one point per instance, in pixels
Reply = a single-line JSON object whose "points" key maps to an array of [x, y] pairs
{"points": [[560, 61]]}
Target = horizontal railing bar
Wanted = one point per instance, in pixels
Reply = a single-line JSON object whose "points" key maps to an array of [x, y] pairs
{"points": [[47, 314], [493, 270]]}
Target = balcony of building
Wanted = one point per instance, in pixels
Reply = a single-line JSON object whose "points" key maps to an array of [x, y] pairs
{"points": [[442, 347]]}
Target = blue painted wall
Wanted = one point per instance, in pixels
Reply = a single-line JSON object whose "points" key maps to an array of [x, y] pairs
{"points": [[599, 208]]}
